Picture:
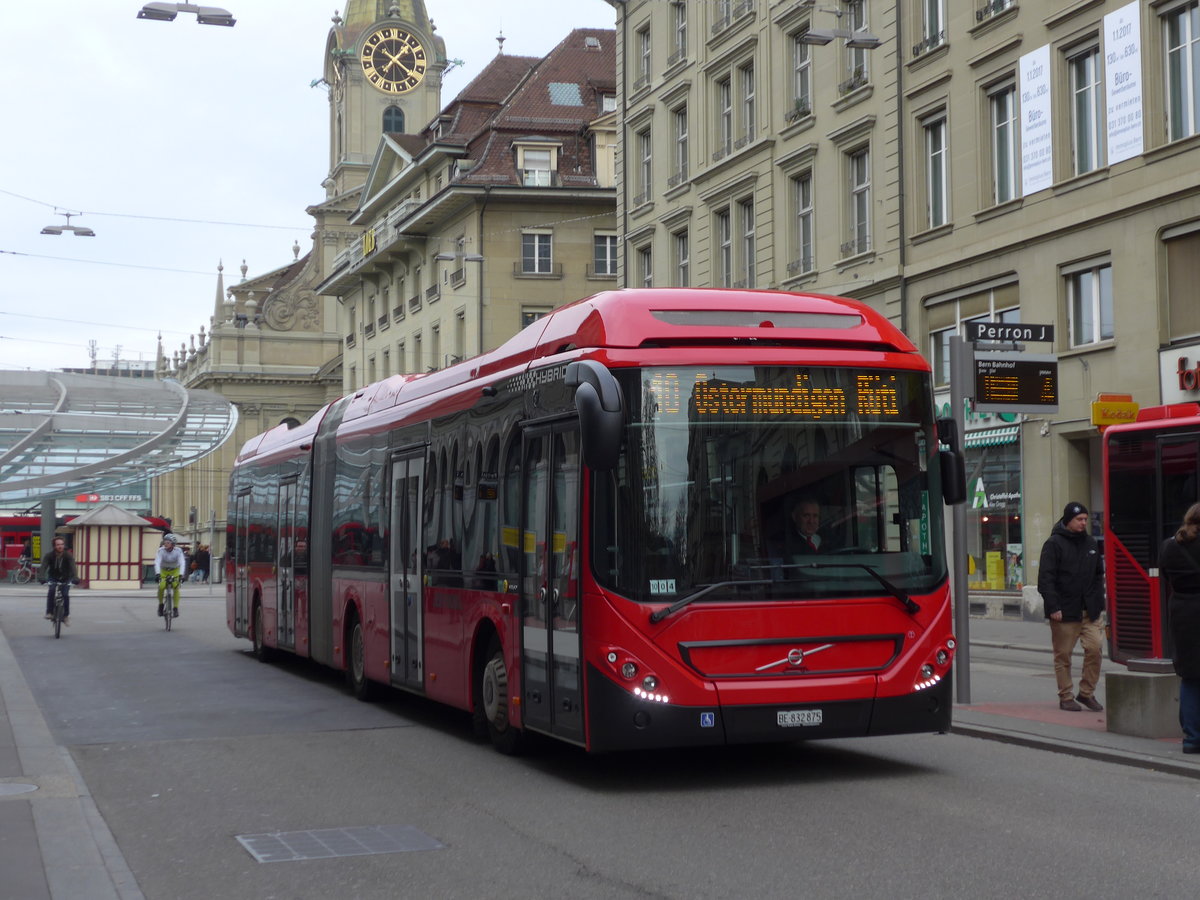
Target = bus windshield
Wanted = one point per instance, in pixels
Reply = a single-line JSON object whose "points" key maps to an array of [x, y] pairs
{"points": [[753, 482]]}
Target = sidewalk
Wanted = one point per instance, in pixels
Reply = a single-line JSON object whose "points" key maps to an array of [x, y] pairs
{"points": [[1031, 716]]}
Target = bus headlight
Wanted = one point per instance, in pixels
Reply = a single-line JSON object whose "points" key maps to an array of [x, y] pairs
{"points": [[629, 671]]}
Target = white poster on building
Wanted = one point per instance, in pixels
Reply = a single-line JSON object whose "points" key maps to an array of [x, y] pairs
{"points": [[1037, 143], [1123, 82]]}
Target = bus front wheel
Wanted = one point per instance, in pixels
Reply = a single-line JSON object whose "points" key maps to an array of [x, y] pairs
{"points": [[494, 699]]}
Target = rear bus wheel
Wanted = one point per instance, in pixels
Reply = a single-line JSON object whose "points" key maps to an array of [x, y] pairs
{"points": [[261, 651], [356, 665]]}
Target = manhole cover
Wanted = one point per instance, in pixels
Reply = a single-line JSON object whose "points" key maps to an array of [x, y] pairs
{"points": [[326, 843]]}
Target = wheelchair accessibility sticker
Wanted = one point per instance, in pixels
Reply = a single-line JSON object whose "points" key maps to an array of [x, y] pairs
{"points": [[708, 720]]}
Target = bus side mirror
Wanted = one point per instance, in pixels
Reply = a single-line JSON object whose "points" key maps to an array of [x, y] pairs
{"points": [[601, 412], [953, 462], [954, 476]]}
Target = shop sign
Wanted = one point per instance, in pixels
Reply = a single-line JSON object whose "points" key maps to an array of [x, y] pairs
{"points": [[1179, 374], [1113, 409]]}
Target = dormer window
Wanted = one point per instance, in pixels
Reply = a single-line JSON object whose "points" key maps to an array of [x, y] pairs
{"points": [[538, 164]]}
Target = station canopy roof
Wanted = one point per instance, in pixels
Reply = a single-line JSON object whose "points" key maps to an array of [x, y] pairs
{"points": [[62, 433]]}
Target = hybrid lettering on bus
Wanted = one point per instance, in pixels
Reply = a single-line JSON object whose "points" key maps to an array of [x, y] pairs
{"points": [[585, 533]]}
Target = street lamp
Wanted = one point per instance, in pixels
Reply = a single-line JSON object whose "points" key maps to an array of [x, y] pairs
{"points": [[77, 230], [855, 40], [205, 15]]}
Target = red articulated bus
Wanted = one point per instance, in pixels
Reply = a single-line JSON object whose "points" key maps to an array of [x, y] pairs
{"points": [[584, 533], [1151, 477]]}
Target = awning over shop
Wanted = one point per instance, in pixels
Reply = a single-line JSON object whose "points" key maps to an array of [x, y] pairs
{"points": [[992, 437]]}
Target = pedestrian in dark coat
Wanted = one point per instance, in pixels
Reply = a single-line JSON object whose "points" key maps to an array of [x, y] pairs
{"points": [[1071, 582], [1179, 564]]}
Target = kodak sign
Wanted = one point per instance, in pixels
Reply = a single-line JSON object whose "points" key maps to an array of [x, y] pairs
{"points": [[1113, 409]]}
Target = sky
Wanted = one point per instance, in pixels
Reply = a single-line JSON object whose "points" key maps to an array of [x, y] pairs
{"points": [[183, 147]]}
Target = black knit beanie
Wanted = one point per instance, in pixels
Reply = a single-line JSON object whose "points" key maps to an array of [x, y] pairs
{"points": [[1071, 510]]}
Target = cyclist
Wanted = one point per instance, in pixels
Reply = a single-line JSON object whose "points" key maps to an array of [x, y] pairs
{"points": [[169, 562], [58, 566]]}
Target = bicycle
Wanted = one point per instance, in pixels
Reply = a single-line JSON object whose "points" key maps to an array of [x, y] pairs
{"points": [[23, 573], [170, 599], [59, 614]]}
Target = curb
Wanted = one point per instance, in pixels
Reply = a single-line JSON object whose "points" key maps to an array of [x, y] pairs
{"points": [[1074, 748]]}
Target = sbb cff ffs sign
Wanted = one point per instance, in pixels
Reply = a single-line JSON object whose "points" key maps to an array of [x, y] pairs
{"points": [[1016, 382]]}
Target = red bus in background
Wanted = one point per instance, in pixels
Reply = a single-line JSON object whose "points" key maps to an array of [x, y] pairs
{"points": [[584, 532], [1151, 477]]}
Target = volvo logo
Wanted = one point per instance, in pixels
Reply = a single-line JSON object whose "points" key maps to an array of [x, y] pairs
{"points": [[795, 658]]}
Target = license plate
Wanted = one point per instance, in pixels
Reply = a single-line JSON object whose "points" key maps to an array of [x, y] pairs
{"points": [[791, 718]]}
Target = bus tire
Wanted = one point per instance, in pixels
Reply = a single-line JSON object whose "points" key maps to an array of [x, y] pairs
{"points": [[494, 700], [262, 652], [356, 663]]}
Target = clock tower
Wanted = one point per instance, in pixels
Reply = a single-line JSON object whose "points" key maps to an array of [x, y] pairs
{"points": [[383, 65]]}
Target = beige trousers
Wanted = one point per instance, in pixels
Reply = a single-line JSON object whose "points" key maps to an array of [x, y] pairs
{"points": [[1063, 637]]}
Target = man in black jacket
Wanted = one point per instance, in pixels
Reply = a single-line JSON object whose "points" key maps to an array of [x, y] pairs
{"points": [[1071, 582]]}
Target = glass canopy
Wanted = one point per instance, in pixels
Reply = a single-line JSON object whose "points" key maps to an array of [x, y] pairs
{"points": [[61, 433]]}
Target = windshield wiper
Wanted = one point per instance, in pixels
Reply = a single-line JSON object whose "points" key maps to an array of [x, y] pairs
{"points": [[908, 602], [660, 614]]}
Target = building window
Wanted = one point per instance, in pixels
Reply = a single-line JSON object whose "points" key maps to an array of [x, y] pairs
{"points": [[530, 314], [1183, 274], [679, 23], [802, 225], [645, 172], [724, 117], [644, 59], [387, 363], [860, 203], [801, 77], [746, 81], [400, 363], [393, 120], [679, 123], [1003, 107], [645, 267], [1090, 302], [945, 320], [1086, 112], [933, 26], [856, 58], [604, 254], [1182, 35], [371, 375], [724, 233], [936, 182], [746, 224], [536, 256], [682, 260], [537, 167]]}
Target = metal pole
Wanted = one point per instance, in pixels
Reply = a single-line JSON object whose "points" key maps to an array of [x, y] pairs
{"points": [[960, 358], [212, 533]]}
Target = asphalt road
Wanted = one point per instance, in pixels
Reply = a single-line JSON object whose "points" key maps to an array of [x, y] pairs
{"points": [[187, 743]]}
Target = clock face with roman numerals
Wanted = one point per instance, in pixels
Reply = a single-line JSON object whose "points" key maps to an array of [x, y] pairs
{"points": [[393, 60]]}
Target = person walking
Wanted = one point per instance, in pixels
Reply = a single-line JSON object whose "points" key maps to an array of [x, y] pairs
{"points": [[200, 563], [1071, 582], [1179, 565], [58, 566]]}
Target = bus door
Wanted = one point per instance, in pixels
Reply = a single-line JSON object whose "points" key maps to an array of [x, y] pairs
{"points": [[550, 647], [407, 612], [285, 568], [241, 571]]}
